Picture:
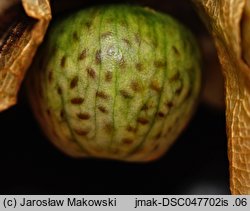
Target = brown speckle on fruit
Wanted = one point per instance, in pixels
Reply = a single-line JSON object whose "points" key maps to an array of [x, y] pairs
{"points": [[154, 85], [127, 141], [63, 61], [137, 39], [179, 89], [161, 114], [122, 63], [83, 54], [139, 67], [98, 57], [169, 104], [135, 86], [91, 72], [62, 114], [127, 42], [160, 64], [142, 120], [188, 94], [50, 76], [108, 76], [144, 107], [175, 77], [103, 109], [102, 94], [176, 51], [82, 132], [158, 135], [75, 36], [88, 24], [83, 116], [108, 127], [59, 90], [74, 82], [131, 129], [156, 147], [125, 94], [77, 100]]}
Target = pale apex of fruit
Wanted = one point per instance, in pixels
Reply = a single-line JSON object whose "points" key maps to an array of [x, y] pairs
{"points": [[116, 82]]}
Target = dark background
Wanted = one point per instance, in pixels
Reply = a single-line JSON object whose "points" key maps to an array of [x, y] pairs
{"points": [[196, 164]]}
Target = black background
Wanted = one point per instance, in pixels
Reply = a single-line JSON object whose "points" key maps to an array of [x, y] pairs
{"points": [[196, 164]]}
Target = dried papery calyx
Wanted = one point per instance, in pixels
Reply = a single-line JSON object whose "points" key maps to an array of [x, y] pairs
{"points": [[228, 23], [21, 31]]}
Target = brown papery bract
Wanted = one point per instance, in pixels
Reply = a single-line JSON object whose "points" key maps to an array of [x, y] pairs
{"points": [[228, 22], [22, 30]]}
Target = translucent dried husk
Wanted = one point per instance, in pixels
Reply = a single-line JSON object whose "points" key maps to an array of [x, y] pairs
{"points": [[228, 21], [21, 33]]}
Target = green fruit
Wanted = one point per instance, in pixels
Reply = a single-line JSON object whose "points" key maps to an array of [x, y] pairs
{"points": [[116, 82]]}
